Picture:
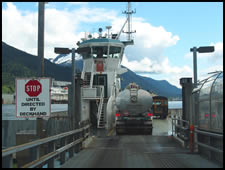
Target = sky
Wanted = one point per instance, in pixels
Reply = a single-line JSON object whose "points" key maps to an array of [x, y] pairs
{"points": [[165, 32]]}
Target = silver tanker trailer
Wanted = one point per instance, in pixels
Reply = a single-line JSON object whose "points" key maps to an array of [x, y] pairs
{"points": [[133, 110]]}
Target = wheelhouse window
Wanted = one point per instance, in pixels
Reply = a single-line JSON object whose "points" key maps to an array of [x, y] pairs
{"points": [[85, 52], [114, 52], [99, 51]]}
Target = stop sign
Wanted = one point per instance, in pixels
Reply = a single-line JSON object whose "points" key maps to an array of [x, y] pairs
{"points": [[33, 88]]}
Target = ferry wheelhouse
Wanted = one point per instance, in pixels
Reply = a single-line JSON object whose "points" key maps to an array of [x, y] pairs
{"points": [[101, 72]]}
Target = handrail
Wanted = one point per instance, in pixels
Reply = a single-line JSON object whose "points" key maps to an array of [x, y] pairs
{"points": [[100, 104], [199, 132], [92, 75], [36, 143], [50, 155], [209, 147], [209, 133], [179, 124], [181, 120], [95, 94]]}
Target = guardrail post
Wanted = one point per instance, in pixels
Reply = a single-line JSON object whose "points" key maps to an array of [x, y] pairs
{"points": [[186, 136], [175, 127], [35, 153], [172, 125], [71, 149], [62, 155], [78, 136], [51, 148], [191, 137]]}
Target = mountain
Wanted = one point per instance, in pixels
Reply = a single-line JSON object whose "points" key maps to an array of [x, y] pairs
{"points": [[17, 63], [159, 87], [65, 60]]}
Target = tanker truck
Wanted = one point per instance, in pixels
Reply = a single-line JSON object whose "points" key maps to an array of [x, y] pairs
{"points": [[133, 110]]}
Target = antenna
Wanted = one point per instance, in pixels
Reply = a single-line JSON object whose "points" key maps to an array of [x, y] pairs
{"points": [[129, 13], [108, 28], [129, 32]]}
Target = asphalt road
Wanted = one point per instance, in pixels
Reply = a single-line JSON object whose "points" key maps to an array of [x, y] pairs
{"points": [[137, 151]]}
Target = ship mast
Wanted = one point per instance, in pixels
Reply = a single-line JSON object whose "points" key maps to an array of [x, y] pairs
{"points": [[129, 29], [129, 12]]}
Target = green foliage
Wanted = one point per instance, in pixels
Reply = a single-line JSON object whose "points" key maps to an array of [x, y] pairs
{"points": [[10, 72], [19, 64], [8, 89]]}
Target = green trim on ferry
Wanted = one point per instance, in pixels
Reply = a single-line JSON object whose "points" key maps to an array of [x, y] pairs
{"points": [[99, 40]]}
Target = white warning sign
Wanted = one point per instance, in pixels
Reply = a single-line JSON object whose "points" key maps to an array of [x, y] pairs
{"points": [[33, 97]]}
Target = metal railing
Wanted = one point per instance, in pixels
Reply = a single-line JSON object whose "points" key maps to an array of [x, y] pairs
{"points": [[92, 93], [210, 134], [69, 141], [180, 128], [100, 107]]}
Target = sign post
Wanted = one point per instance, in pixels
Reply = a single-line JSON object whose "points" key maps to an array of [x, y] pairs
{"points": [[33, 97]]}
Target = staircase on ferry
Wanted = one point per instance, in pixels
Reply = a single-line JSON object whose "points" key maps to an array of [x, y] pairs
{"points": [[101, 118], [101, 105], [101, 111]]}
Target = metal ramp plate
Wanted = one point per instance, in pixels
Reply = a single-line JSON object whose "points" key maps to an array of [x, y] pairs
{"points": [[136, 151]]}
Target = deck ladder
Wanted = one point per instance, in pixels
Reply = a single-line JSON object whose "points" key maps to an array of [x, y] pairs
{"points": [[101, 115]]}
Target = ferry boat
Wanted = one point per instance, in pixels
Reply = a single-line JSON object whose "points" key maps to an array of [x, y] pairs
{"points": [[102, 57], [59, 92]]}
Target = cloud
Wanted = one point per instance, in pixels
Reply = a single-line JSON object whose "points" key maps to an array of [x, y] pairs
{"points": [[94, 15], [218, 54], [150, 41], [62, 27], [146, 56], [77, 3], [204, 73], [210, 62], [159, 70], [19, 30]]}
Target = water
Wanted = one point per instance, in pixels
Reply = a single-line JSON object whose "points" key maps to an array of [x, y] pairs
{"points": [[9, 111], [175, 104]]}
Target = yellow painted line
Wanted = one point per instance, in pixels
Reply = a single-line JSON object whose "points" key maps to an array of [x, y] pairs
{"points": [[110, 133]]}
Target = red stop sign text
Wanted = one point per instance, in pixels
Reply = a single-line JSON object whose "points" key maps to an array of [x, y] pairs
{"points": [[33, 88]]}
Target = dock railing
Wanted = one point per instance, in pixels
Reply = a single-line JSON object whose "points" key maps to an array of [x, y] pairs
{"points": [[69, 142], [211, 135], [180, 130]]}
